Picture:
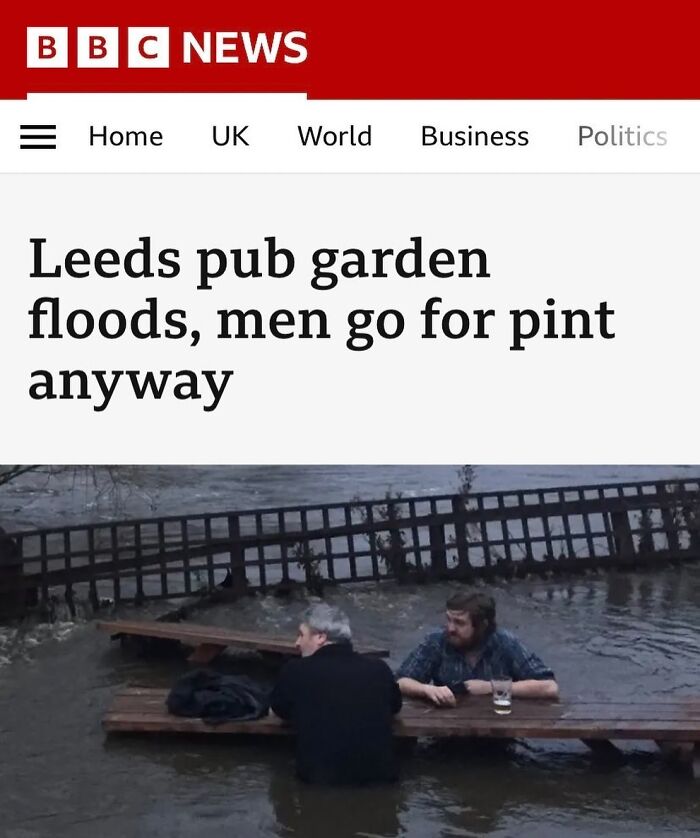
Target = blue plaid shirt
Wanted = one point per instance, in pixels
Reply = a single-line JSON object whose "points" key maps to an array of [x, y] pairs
{"points": [[502, 655]]}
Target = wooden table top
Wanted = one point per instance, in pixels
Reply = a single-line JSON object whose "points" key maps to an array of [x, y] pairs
{"points": [[142, 709], [197, 635]]}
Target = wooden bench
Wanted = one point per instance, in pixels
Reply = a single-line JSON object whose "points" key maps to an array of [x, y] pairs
{"points": [[673, 725], [210, 641]]}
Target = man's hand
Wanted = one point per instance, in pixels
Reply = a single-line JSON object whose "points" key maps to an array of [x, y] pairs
{"points": [[477, 687], [440, 696]]}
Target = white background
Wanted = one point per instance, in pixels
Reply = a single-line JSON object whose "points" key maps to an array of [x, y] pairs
{"points": [[630, 240]]}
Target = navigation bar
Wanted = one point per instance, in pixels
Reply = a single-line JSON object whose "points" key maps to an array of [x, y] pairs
{"points": [[288, 133]]}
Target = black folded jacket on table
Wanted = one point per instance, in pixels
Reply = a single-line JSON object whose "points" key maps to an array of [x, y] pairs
{"points": [[217, 698]]}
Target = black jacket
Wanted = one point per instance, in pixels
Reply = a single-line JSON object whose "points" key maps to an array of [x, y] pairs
{"points": [[341, 705], [216, 698]]}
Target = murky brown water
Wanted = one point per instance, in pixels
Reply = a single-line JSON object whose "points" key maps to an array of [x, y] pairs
{"points": [[619, 635]]}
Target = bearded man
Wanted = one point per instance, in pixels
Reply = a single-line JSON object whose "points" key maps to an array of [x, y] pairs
{"points": [[468, 654]]}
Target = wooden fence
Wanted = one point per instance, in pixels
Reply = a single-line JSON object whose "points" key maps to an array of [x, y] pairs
{"points": [[487, 535]]}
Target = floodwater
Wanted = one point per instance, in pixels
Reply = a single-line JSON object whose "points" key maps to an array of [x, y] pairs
{"points": [[618, 635]]}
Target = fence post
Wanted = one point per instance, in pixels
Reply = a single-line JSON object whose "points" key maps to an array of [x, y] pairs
{"points": [[438, 547], [13, 598], [396, 553], [68, 565], [668, 517], [464, 568], [622, 531], [239, 581]]}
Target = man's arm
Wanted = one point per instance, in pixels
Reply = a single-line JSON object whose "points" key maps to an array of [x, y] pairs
{"points": [[442, 696], [536, 688], [392, 688], [396, 698], [531, 677], [281, 702], [415, 673], [411, 688], [527, 688]]}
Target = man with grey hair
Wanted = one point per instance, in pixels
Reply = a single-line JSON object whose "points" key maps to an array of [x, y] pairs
{"points": [[340, 703], [321, 625]]}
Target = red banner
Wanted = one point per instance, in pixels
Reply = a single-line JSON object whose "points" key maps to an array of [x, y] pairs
{"points": [[506, 50]]}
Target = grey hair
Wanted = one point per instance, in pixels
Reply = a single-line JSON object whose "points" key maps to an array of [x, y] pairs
{"points": [[328, 620]]}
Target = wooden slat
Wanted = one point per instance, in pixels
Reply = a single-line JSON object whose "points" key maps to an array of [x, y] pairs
{"points": [[160, 723], [351, 543], [329, 544], [526, 530], [545, 525], [195, 635], [476, 707], [305, 558], [163, 565], [261, 553], [139, 569], [644, 717], [284, 546], [461, 535], [592, 714], [239, 580], [587, 528], [374, 556], [505, 532], [114, 549], [437, 540], [604, 503], [68, 566], [415, 534], [44, 569], [567, 527], [184, 534], [622, 531], [484, 534], [668, 522], [692, 702], [211, 581], [94, 598]]}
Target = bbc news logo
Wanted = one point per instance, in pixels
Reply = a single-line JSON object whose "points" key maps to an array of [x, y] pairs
{"points": [[95, 47], [98, 47]]}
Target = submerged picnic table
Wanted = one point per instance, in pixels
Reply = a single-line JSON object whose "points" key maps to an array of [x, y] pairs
{"points": [[210, 641], [673, 725]]}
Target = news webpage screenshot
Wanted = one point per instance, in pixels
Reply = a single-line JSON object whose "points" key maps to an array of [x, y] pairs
{"points": [[360, 350]]}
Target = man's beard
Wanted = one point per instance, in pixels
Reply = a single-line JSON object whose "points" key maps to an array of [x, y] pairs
{"points": [[469, 645]]}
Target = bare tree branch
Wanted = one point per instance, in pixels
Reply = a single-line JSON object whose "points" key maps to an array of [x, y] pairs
{"points": [[8, 473]]}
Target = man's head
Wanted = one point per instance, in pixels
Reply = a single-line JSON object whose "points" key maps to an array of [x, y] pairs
{"points": [[321, 625], [471, 618]]}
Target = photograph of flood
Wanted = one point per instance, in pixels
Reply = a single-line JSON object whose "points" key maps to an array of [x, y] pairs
{"points": [[346, 650]]}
